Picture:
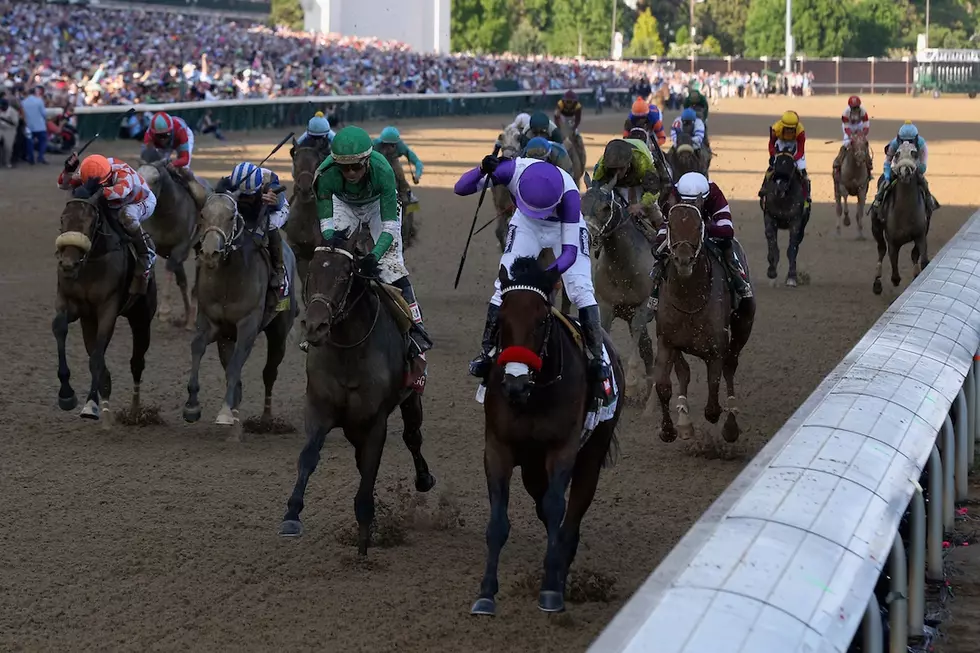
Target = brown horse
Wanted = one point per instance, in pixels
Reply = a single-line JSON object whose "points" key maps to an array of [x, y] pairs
{"points": [[683, 158], [509, 141], [853, 181], [536, 407], [302, 228], [575, 147], [696, 316], [902, 218], [95, 267]]}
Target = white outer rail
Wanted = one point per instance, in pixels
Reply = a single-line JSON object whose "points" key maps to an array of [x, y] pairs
{"points": [[787, 558]]}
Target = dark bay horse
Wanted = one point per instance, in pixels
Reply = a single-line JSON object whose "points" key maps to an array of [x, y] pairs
{"points": [[902, 218], [172, 228], [783, 208], [696, 316], [233, 306], [535, 408], [356, 375], [683, 158], [303, 226], [575, 147], [95, 267], [853, 181], [510, 147], [622, 258]]}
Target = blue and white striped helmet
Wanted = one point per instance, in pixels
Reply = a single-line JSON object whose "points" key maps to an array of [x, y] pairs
{"points": [[247, 177]]}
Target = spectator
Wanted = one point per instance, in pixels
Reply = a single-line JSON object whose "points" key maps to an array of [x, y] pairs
{"points": [[207, 124], [36, 117], [9, 119]]}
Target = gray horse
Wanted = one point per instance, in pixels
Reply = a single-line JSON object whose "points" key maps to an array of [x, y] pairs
{"points": [[172, 228], [902, 218], [575, 147], [232, 291], [622, 260], [509, 141], [357, 373]]}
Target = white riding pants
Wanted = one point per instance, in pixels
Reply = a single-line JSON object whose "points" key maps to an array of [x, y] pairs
{"points": [[347, 218]]}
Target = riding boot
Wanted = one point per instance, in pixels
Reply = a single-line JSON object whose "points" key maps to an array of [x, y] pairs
{"points": [[599, 372], [735, 270], [145, 257], [278, 277], [932, 202], [879, 196], [418, 333], [480, 366], [839, 161]]}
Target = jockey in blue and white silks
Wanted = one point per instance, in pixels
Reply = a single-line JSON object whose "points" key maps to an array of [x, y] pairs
{"points": [[688, 122], [317, 128], [907, 133], [548, 215]]}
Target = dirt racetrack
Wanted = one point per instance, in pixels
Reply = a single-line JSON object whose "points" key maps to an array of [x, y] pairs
{"points": [[164, 537]]}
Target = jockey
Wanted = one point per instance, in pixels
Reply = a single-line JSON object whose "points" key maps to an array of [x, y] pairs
{"points": [[648, 117], [632, 168], [907, 133], [169, 134], [391, 145], [521, 122], [544, 150], [318, 132], [129, 199], [694, 188], [569, 108], [548, 215], [787, 135], [854, 119], [695, 100], [254, 185], [541, 125], [688, 123], [356, 186]]}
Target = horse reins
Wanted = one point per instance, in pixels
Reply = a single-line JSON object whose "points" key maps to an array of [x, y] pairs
{"points": [[237, 227], [697, 249], [344, 309]]}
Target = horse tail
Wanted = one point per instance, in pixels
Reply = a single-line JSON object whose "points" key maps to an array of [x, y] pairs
{"points": [[612, 453]]}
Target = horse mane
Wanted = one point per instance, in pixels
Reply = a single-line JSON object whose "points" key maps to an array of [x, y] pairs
{"points": [[88, 192], [151, 155], [525, 271]]}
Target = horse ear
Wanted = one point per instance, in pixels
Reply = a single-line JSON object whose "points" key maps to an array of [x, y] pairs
{"points": [[588, 179], [554, 276], [503, 277]]}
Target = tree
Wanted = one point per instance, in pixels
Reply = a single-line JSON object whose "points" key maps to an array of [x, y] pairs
{"points": [[286, 12], [821, 27], [480, 25], [725, 20], [646, 37], [527, 40], [710, 47], [585, 26]]}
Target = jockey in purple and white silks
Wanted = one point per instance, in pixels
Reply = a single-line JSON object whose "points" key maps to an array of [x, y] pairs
{"points": [[548, 215]]}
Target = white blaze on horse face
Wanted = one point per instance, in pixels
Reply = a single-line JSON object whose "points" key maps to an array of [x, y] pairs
{"points": [[516, 369]]}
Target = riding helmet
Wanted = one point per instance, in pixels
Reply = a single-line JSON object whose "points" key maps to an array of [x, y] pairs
{"points": [[351, 145]]}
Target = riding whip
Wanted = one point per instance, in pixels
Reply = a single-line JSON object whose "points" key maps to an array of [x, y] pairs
{"points": [[462, 260], [276, 148], [99, 133]]}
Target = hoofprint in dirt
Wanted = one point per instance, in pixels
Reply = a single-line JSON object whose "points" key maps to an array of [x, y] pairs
{"points": [[165, 535]]}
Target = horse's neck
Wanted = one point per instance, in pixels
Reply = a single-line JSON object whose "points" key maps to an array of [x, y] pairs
{"points": [[691, 292], [624, 243], [905, 191], [362, 322]]}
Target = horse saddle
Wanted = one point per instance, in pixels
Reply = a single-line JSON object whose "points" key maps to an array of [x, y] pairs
{"points": [[572, 326], [397, 306]]}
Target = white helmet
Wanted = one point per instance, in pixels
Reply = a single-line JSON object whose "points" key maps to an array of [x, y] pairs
{"points": [[693, 186], [522, 121]]}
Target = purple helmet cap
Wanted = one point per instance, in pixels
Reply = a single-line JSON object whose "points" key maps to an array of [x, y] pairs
{"points": [[539, 190]]}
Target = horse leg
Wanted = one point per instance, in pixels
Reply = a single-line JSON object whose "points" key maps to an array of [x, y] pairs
{"points": [[535, 479], [920, 258], [498, 463], [646, 354], [893, 251], [67, 399], [841, 209], [247, 331], [662, 367], [412, 436], [772, 241], [181, 277], [683, 371], [98, 334], [367, 453], [317, 427], [225, 349], [205, 335], [275, 335], [139, 325], [793, 250], [859, 217], [164, 282], [879, 235], [559, 464], [741, 328], [712, 409]]}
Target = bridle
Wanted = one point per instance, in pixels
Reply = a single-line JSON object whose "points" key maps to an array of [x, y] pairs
{"points": [[229, 242], [343, 310], [549, 329]]}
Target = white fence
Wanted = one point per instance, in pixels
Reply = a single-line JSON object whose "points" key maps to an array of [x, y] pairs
{"points": [[787, 558]]}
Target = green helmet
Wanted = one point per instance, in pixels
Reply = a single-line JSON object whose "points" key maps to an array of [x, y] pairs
{"points": [[390, 135], [539, 121], [351, 145]]}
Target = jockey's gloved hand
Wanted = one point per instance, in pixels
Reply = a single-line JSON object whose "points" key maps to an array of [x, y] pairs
{"points": [[368, 266], [489, 164], [71, 163]]}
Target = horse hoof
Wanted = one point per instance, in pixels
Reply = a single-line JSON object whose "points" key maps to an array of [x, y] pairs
{"points": [[485, 607], [712, 415], [68, 403], [668, 435], [192, 413], [847, 220], [730, 430], [896, 281], [90, 410], [551, 601], [425, 482], [771, 272], [291, 528], [791, 282], [686, 431], [876, 287], [225, 417]]}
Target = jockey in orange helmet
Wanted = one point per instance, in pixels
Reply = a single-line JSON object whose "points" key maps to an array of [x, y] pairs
{"points": [[646, 116], [128, 197]]}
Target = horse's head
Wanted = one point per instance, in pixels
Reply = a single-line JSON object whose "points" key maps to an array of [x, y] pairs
{"points": [[80, 221], [510, 142], [783, 171], [640, 134], [328, 285], [603, 209], [524, 323], [222, 227], [150, 154], [305, 162], [154, 172], [906, 161], [685, 237]]}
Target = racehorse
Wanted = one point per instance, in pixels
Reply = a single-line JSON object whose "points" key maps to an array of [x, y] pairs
{"points": [[357, 374], [575, 147], [233, 304], [621, 264], [902, 217], [536, 404], [510, 148], [95, 267], [683, 158], [853, 180], [695, 316], [302, 228], [172, 228], [783, 208]]}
